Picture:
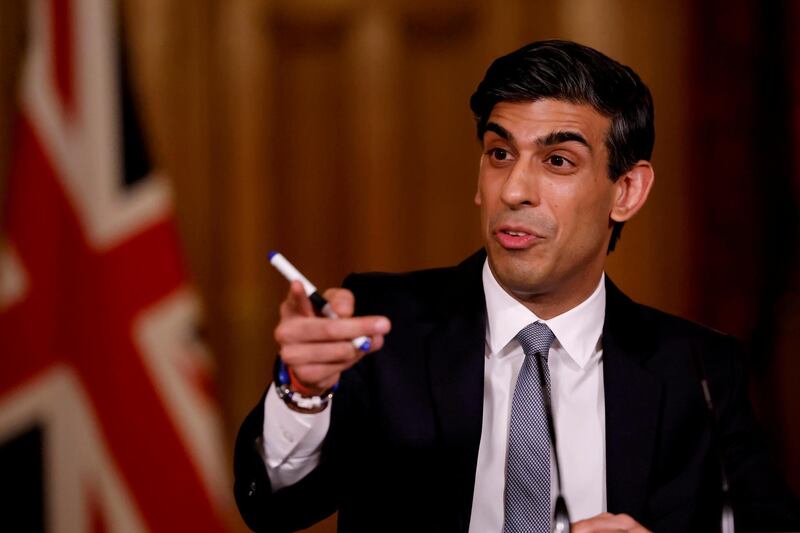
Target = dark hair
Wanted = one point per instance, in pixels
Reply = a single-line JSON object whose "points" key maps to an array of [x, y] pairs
{"points": [[564, 70]]}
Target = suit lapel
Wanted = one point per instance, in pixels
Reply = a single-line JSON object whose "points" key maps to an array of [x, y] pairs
{"points": [[455, 363], [633, 398]]}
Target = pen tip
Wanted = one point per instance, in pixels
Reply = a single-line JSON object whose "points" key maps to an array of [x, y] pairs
{"points": [[272, 254]]}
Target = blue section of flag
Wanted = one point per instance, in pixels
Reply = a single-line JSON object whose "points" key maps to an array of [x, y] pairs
{"points": [[21, 482], [136, 159]]}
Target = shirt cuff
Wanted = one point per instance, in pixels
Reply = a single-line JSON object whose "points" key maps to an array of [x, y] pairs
{"points": [[291, 441]]}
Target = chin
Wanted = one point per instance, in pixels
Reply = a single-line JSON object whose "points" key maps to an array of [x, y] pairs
{"points": [[524, 283], [519, 274]]}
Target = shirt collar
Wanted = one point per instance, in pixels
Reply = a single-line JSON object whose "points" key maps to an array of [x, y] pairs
{"points": [[577, 330]]}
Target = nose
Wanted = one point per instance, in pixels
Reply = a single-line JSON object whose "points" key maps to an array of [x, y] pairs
{"points": [[521, 187]]}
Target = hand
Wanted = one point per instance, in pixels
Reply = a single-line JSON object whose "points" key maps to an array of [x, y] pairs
{"points": [[609, 523], [316, 349]]}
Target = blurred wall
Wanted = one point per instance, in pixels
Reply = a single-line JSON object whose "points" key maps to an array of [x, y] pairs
{"points": [[744, 179], [339, 132]]}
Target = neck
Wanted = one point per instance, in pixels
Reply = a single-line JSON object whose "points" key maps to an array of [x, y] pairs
{"points": [[552, 303]]}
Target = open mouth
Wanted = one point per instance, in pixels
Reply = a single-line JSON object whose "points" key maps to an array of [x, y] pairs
{"points": [[515, 239]]}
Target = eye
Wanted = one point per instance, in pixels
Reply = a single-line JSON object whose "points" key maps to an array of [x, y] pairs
{"points": [[498, 154], [559, 163]]}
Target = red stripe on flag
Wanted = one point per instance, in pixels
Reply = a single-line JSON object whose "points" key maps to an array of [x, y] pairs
{"points": [[31, 223], [61, 24]]}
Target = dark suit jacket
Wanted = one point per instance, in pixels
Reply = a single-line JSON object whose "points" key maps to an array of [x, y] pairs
{"points": [[405, 427]]}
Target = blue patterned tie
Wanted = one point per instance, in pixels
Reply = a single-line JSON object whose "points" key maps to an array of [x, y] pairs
{"points": [[527, 495]]}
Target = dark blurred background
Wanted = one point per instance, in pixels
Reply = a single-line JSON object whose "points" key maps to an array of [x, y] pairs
{"points": [[338, 132]]}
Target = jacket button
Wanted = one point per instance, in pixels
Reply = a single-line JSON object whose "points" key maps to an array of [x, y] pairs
{"points": [[252, 490]]}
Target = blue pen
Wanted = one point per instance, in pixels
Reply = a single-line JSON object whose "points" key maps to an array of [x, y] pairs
{"points": [[320, 304]]}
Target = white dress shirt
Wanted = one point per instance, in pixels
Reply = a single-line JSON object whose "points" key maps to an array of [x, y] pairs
{"points": [[292, 440]]}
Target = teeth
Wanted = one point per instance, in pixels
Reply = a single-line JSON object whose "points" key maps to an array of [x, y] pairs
{"points": [[516, 233]]}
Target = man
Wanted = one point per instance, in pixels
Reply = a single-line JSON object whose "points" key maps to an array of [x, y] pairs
{"points": [[444, 427]]}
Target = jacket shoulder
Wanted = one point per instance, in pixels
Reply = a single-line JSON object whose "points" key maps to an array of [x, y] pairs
{"points": [[644, 325], [675, 326]]}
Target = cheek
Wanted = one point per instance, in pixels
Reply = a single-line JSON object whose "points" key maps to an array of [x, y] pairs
{"points": [[482, 204], [583, 214], [488, 192]]}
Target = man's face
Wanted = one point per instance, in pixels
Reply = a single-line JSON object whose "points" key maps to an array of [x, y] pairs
{"points": [[545, 197]]}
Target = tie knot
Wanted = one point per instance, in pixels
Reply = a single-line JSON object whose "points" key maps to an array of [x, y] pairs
{"points": [[536, 338]]}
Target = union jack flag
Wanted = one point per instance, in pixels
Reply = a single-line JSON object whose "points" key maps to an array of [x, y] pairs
{"points": [[106, 419]]}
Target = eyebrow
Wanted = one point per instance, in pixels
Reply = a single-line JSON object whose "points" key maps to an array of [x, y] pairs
{"points": [[552, 138], [558, 137], [499, 130]]}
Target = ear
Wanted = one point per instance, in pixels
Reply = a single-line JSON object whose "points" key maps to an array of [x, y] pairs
{"points": [[631, 191]]}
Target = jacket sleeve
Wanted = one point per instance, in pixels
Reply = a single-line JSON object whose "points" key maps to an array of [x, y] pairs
{"points": [[297, 506]]}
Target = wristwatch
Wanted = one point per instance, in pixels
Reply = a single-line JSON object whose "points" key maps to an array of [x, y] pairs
{"points": [[294, 399]]}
